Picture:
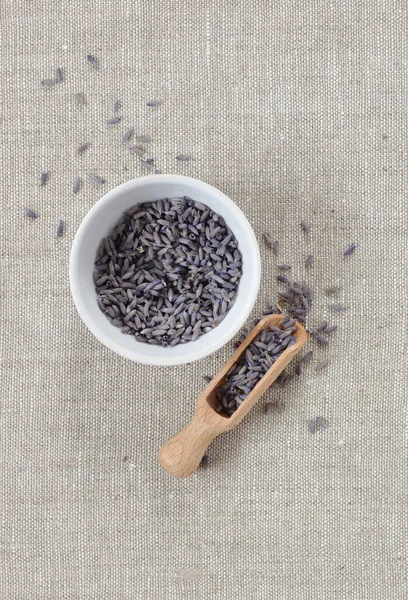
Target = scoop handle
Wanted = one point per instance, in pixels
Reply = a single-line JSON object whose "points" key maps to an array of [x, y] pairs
{"points": [[182, 453]]}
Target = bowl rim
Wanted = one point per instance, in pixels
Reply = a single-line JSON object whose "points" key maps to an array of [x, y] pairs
{"points": [[190, 355]]}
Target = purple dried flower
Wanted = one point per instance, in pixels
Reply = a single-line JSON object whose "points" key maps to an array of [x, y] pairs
{"points": [[305, 226], [350, 249], [322, 366], [48, 82], [299, 368], [332, 290], [75, 185], [92, 61], [284, 267], [321, 326], [309, 261], [60, 229], [330, 329], [83, 147], [267, 239], [146, 164], [30, 213], [275, 247], [321, 423], [138, 150], [59, 75], [320, 339], [156, 172], [116, 106], [337, 307], [149, 160], [127, 135], [183, 157], [43, 178], [282, 279], [95, 179], [114, 121], [307, 357], [153, 103], [143, 139]]}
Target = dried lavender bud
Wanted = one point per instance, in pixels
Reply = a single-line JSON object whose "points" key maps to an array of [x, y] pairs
{"points": [[350, 249], [43, 178], [60, 229], [95, 179], [127, 135], [83, 147], [309, 261], [275, 247], [48, 82], [138, 150], [113, 121], [322, 366], [305, 226], [183, 157], [307, 357], [267, 240], [284, 267], [59, 75], [337, 307], [75, 185], [30, 213], [116, 106], [330, 329], [332, 290], [92, 61], [153, 103]]}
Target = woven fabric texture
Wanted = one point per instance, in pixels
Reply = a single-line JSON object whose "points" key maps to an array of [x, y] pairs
{"points": [[298, 111]]}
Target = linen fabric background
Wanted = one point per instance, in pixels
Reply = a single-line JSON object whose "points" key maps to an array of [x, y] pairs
{"points": [[298, 111]]}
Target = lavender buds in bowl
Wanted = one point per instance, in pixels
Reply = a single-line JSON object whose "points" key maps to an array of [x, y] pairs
{"points": [[187, 286]]}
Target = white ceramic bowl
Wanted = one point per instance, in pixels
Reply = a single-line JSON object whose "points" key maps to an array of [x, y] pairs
{"points": [[100, 221]]}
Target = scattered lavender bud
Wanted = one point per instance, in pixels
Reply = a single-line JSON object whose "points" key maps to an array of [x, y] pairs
{"points": [[299, 369], [267, 239], [307, 357], [95, 179], [149, 160], [59, 75], [83, 147], [320, 339], [153, 103], [156, 172], [284, 267], [330, 329], [30, 213], [113, 121], [322, 326], [138, 150], [322, 366], [305, 226], [183, 157], [207, 378], [75, 185], [350, 249], [204, 462], [146, 164], [48, 82], [309, 261], [43, 178], [337, 307], [116, 106], [127, 135], [60, 229], [92, 61], [275, 247], [282, 279], [331, 291]]}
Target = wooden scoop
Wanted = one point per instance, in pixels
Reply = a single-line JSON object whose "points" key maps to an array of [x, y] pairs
{"points": [[182, 454]]}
